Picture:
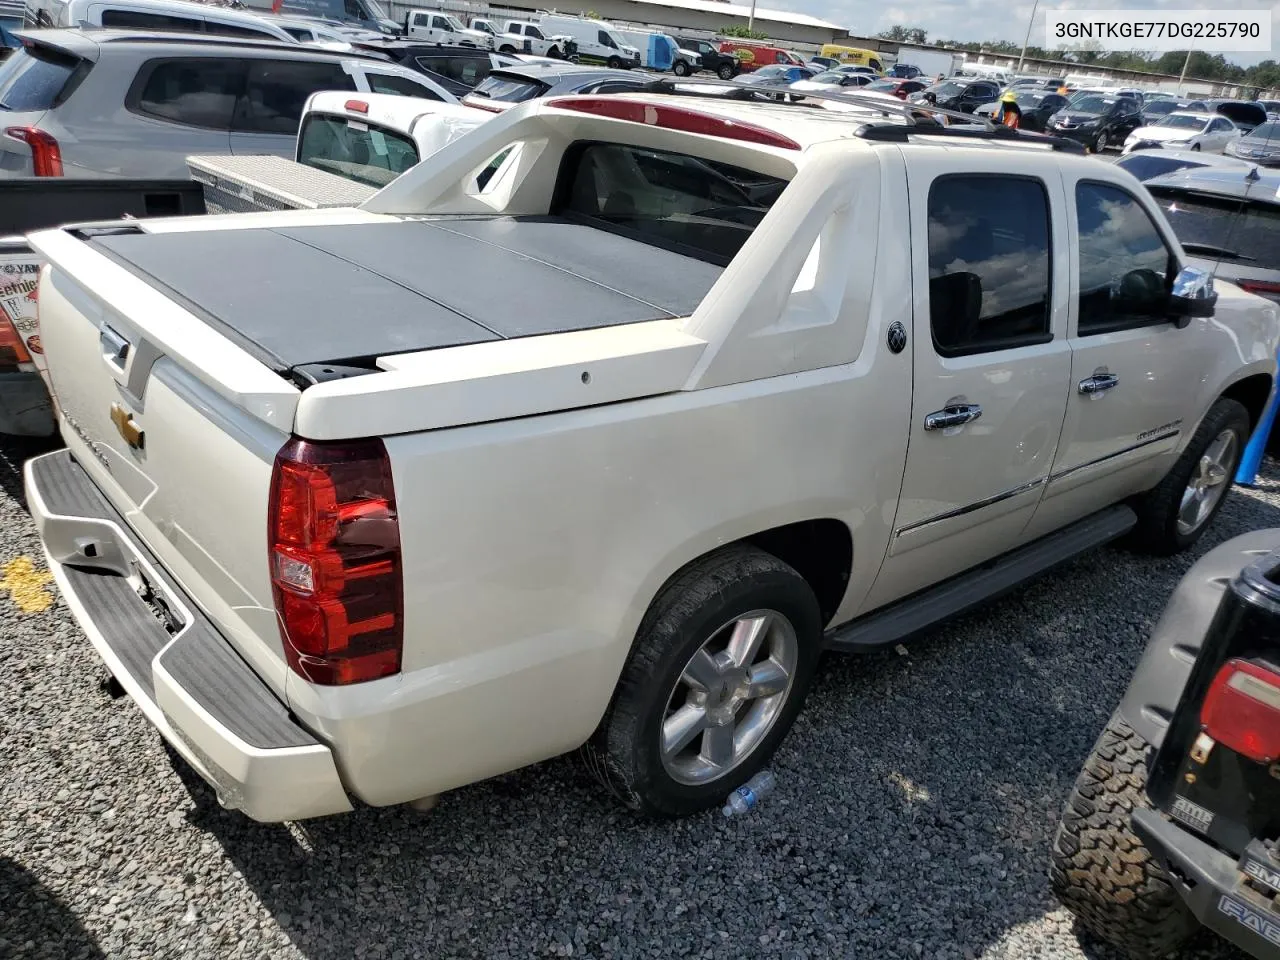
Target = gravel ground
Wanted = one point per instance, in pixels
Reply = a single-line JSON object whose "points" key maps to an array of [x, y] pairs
{"points": [[916, 800]]}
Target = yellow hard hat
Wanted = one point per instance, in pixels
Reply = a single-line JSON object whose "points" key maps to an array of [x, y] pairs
{"points": [[1009, 97]]}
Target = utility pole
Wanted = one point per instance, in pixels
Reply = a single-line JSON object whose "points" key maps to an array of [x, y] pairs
{"points": [[1026, 39], [751, 19], [1180, 77]]}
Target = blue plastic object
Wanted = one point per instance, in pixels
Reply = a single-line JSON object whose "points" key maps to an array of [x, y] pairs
{"points": [[1247, 473]]}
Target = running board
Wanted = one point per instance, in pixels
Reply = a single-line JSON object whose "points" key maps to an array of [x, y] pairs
{"points": [[975, 587]]}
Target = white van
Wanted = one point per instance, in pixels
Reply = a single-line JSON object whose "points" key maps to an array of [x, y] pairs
{"points": [[435, 26], [168, 15], [598, 40]]}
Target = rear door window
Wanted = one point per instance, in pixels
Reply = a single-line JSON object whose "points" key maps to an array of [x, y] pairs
{"points": [[989, 264], [687, 204], [465, 70], [277, 90], [193, 92], [33, 78], [356, 150]]}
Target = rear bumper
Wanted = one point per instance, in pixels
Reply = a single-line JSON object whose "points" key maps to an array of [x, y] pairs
{"points": [[25, 407], [1212, 886], [187, 679]]}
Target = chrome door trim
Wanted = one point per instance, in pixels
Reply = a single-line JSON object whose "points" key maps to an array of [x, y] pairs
{"points": [[1158, 438], [971, 507]]}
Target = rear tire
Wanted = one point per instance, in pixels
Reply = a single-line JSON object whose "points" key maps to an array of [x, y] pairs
{"points": [[1100, 869], [661, 748], [1160, 509], [725, 71], [680, 68], [1101, 143]]}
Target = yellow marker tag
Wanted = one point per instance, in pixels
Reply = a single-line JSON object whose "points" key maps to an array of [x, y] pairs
{"points": [[26, 585]]}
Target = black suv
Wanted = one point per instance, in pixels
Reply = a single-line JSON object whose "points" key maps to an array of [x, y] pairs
{"points": [[1097, 121], [710, 58], [457, 69], [958, 94], [1174, 822]]}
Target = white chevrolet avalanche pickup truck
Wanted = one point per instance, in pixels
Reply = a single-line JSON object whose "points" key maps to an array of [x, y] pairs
{"points": [[364, 505]]}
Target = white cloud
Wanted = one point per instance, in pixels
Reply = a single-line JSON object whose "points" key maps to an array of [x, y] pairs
{"points": [[992, 19]]}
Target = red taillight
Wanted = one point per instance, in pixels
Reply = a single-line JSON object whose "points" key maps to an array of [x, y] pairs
{"points": [[46, 155], [1242, 710], [334, 546], [674, 118], [12, 349], [1262, 287], [357, 106]]}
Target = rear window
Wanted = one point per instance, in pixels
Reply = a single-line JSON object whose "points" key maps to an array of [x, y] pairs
{"points": [[687, 204], [355, 150], [33, 78], [466, 70], [1250, 240], [508, 89], [400, 86]]}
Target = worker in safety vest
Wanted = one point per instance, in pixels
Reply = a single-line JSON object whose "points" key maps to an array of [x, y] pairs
{"points": [[1009, 113]]}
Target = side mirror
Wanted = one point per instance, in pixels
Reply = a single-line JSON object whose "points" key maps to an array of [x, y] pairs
{"points": [[1192, 296]]}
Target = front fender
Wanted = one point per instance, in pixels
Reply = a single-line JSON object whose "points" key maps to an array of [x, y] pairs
{"points": [[1157, 684]]}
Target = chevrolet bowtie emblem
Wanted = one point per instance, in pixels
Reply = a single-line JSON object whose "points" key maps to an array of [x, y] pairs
{"points": [[126, 427]]}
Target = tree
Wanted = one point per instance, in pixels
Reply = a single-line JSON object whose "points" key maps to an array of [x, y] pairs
{"points": [[900, 34], [743, 33]]}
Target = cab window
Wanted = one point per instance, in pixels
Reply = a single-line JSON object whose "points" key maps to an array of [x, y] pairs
{"points": [[989, 263], [1126, 269]]}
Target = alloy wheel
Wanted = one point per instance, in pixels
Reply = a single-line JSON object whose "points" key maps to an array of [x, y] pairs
{"points": [[1209, 481]]}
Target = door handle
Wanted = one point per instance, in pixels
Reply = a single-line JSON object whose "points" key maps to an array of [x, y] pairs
{"points": [[1091, 386], [115, 347], [953, 415]]}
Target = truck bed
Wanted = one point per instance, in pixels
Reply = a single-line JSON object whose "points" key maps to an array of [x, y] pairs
{"points": [[348, 293]]}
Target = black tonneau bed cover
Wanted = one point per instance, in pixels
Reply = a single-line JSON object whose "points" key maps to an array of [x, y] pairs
{"points": [[325, 294]]}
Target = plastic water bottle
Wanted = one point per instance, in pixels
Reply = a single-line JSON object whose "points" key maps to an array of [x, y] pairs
{"points": [[745, 798]]}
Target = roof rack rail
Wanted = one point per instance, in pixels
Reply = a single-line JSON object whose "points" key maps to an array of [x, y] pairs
{"points": [[920, 118]]}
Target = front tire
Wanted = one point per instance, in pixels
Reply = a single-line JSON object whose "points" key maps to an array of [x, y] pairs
{"points": [[1101, 143], [1100, 869], [1195, 148], [1175, 514], [615, 63], [725, 71], [506, 48], [680, 68], [720, 668], [554, 53]]}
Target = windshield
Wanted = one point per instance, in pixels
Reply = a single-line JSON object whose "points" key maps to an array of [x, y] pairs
{"points": [[771, 72], [454, 23], [1265, 131], [375, 10], [831, 76], [1181, 121], [1161, 107], [355, 150], [880, 86], [1092, 104], [948, 88], [1217, 222]]}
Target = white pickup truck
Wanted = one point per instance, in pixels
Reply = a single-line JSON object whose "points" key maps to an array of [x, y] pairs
{"points": [[368, 504]]}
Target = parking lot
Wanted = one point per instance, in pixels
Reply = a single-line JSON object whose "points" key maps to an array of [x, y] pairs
{"points": [[917, 797]]}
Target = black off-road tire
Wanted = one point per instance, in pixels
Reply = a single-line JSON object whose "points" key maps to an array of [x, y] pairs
{"points": [[1100, 869], [623, 754], [725, 71], [680, 68], [1157, 529]]}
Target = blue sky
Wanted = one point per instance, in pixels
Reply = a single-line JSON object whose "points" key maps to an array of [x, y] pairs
{"points": [[993, 19]]}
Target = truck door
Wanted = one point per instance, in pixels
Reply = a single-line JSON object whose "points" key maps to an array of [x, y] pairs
{"points": [[1134, 374], [420, 24], [991, 361]]}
